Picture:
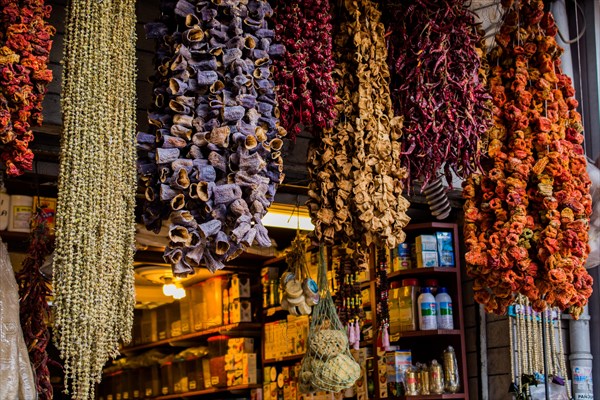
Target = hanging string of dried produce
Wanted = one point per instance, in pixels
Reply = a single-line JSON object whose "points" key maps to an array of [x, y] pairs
{"points": [[33, 303], [305, 88], [95, 221], [25, 43], [382, 295], [348, 298], [527, 216], [218, 151], [356, 189], [435, 86]]}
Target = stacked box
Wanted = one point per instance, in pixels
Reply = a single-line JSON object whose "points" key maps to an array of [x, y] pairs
{"points": [[445, 249], [166, 378], [174, 311], [163, 324], [239, 287], [149, 328], [240, 311], [397, 362], [426, 251], [207, 303], [185, 312]]}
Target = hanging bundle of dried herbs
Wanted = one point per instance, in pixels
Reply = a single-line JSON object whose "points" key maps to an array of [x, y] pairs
{"points": [[95, 221]]}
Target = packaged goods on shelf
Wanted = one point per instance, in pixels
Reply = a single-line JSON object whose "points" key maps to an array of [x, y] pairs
{"points": [[397, 362], [427, 310], [207, 303], [239, 287], [174, 312], [166, 376], [407, 307], [401, 257], [445, 249], [240, 345], [149, 326], [218, 375], [185, 312], [427, 259], [240, 311], [285, 337], [426, 243]]}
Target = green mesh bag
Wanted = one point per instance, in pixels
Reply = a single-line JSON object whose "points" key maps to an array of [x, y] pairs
{"points": [[327, 364]]}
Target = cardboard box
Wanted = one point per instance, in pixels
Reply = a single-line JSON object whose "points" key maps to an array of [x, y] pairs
{"points": [[149, 328], [195, 374], [207, 303], [396, 363], [151, 381], [427, 259], [239, 287], [174, 311], [163, 322], [240, 345], [240, 311], [445, 249], [218, 375], [185, 312], [206, 377], [426, 243], [166, 378]]}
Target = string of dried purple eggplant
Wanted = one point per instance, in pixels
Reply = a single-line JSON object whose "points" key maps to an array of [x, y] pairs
{"points": [[218, 152], [382, 291], [33, 304], [435, 86], [355, 194], [305, 88], [348, 298]]}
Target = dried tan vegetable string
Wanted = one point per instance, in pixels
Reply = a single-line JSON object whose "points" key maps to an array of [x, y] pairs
{"points": [[93, 266]]}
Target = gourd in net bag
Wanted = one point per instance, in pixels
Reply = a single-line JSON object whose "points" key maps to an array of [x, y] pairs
{"points": [[328, 364], [300, 291]]}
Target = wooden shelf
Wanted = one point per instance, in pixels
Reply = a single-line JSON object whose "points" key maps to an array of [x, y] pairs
{"points": [[429, 333], [429, 225], [437, 396], [295, 357], [274, 260], [269, 312], [207, 391], [224, 329], [418, 272]]}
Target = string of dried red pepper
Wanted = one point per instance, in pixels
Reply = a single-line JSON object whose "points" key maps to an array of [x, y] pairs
{"points": [[25, 43], [527, 215], [33, 305], [435, 85], [305, 88]]}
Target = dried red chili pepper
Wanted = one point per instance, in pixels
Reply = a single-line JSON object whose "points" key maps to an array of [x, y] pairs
{"points": [[434, 67], [33, 305], [24, 54], [305, 87]]}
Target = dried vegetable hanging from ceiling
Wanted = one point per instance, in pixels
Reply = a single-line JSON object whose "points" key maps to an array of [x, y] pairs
{"points": [[25, 43], [434, 61], [356, 180], [34, 309], [215, 135], [95, 220], [305, 88], [527, 216]]}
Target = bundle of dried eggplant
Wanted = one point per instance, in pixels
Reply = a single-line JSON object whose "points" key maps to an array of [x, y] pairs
{"points": [[217, 140], [356, 178]]}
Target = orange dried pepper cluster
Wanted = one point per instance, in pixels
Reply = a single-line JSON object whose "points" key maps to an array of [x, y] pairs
{"points": [[25, 43], [527, 215]]}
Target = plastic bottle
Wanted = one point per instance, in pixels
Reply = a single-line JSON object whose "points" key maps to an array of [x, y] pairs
{"points": [[427, 310], [443, 301]]}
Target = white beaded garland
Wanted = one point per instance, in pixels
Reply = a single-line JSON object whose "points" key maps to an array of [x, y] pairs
{"points": [[95, 221]]}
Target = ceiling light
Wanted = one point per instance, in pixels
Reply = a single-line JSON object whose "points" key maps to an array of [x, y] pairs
{"points": [[169, 287], [288, 216], [179, 293]]}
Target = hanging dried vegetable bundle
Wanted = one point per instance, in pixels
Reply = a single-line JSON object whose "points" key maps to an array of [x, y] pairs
{"points": [[527, 216], [33, 304], [435, 86], [217, 160], [348, 298], [25, 43], [356, 189], [305, 88], [95, 222]]}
